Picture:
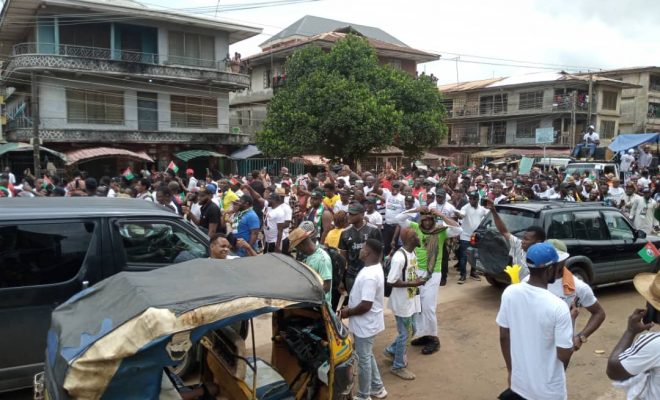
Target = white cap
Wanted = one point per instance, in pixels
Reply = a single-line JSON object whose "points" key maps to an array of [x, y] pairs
{"points": [[631, 151], [592, 127], [563, 256]]}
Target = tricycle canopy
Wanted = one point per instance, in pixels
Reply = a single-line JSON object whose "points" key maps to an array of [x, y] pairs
{"points": [[120, 333]]}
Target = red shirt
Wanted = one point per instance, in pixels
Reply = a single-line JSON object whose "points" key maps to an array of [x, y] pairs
{"points": [[386, 184]]}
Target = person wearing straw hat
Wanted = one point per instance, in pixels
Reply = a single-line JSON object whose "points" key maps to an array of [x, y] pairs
{"points": [[635, 363], [312, 254]]}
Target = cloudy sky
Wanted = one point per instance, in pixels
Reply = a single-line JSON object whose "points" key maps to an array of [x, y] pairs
{"points": [[483, 34]]}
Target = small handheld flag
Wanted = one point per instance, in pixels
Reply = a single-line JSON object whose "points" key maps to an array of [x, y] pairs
{"points": [[173, 167], [649, 252], [128, 174]]}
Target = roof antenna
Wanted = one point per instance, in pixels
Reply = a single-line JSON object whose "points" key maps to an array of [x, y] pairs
{"points": [[217, 6]]}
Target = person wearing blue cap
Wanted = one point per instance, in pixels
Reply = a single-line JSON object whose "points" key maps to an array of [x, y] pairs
{"points": [[536, 332]]}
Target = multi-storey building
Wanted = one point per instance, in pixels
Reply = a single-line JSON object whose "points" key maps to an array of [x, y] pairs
{"points": [[248, 108], [85, 74], [640, 106], [505, 112]]}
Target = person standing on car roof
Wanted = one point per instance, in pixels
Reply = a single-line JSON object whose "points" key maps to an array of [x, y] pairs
{"points": [[574, 292], [517, 247]]}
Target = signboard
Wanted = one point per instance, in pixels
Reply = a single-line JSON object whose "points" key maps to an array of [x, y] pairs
{"points": [[525, 165], [545, 135], [235, 130]]}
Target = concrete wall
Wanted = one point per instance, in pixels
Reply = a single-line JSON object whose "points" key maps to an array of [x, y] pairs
{"points": [[53, 111]]}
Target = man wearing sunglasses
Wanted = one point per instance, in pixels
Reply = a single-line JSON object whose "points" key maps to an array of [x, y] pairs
{"points": [[536, 332]]}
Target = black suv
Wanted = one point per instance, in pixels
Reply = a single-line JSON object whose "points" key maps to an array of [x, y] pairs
{"points": [[602, 242], [51, 248]]}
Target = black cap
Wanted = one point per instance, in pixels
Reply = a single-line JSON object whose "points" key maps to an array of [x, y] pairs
{"points": [[473, 194], [355, 208]]}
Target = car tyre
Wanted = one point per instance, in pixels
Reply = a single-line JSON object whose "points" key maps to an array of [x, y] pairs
{"points": [[580, 272], [495, 283]]}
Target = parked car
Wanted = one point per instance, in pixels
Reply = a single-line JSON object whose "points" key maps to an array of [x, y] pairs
{"points": [[602, 242], [51, 248], [597, 169]]}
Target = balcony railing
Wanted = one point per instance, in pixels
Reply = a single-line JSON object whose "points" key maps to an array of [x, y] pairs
{"points": [[21, 122], [100, 53]]}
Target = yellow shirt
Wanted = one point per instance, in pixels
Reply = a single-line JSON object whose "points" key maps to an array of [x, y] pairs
{"points": [[227, 199], [330, 201], [332, 238]]}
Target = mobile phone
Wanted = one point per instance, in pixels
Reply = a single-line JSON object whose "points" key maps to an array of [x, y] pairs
{"points": [[650, 314]]}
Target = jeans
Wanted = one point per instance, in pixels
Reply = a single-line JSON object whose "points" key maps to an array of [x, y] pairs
{"points": [[405, 326], [445, 261], [368, 375], [578, 148], [462, 258]]}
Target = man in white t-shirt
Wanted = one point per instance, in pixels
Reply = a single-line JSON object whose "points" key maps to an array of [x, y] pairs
{"points": [[275, 217], [404, 301], [616, 192], [366, 319], [394, 205], [471, 215], [627, 159], [371, 215], [635, 363], [536, 331], [590, 139], [574, 292]]}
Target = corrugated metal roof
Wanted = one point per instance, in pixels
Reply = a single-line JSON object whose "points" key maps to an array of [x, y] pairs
{"points": [[75, 156], [18, 146], [246, 152], [310, 25], [470, 85], [190, 154]]}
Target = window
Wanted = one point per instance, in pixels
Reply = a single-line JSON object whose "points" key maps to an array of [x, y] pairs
{"points": [[268, 78], [530, 100], [653, 110], [43, 254], [654, 82], [561, 226], [192, 49], [449, 106], [394, 63], [498, 132], [94, 107], [589, 225], [607, 129], [517, 221], [496, 104], [618, 227], [609, 100], [527, 129], [158, 243], [194, 112]]}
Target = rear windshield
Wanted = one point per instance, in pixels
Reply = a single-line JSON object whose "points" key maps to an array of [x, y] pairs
{"points": [[517, 221]]}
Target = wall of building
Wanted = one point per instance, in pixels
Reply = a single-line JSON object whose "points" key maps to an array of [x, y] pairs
{"points": [[53, 111]]}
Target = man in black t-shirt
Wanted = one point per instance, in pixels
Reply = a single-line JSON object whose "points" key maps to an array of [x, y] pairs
{"points": [[352, 240], [209, 218]]}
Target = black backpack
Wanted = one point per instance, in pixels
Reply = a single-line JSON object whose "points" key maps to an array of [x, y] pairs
{"points": [[338, 266], [386, 271]]}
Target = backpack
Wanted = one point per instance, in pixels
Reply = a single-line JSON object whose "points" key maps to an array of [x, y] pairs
{"points": [[338, 266], [386, 272]]}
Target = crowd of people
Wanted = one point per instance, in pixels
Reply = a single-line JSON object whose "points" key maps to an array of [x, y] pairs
{"points": [[391, 234]]}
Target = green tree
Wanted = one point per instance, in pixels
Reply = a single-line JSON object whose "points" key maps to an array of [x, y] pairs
{"points": [[342, 103]]}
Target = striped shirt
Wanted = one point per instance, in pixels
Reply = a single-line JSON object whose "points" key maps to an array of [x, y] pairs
{"points": [[643, 357]]}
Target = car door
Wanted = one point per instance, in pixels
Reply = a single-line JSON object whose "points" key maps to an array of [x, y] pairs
{"points": [[144, 244], [42, 264], [626, 246], [594, 242]]}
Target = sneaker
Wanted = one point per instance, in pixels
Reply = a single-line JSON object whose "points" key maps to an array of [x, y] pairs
{"points": [[381, 394], [475, 277], [403, 373], [389, 357], [461, 280]]}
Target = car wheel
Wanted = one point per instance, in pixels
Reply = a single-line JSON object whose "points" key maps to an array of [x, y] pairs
{"points": [[580, 272], [495, 283]]}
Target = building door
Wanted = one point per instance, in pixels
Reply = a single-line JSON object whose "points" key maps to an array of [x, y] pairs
{"points": [[147, 111]]}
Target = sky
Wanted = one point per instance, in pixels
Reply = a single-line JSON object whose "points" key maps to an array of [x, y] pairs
{"points": [[547, 35]]}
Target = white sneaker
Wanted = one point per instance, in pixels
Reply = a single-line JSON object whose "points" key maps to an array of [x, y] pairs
{"points": [[381, 394]]}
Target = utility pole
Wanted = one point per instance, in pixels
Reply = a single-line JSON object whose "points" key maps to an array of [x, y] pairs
{"points": [[34, 101], [590, 102], [573, 122]]}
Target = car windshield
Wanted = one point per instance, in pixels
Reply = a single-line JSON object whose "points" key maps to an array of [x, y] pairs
{"points": [[589, 170], [517, 221]]}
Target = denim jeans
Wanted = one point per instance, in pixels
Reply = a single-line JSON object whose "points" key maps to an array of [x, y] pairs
{"points": [[368, 375], [463, 258], [405, 326], [578, 148]]}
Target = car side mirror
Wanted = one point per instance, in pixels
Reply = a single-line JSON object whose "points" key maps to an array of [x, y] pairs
{"points": [[640, 234]]}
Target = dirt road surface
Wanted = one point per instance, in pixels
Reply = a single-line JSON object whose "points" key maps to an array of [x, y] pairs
{"points": [[469, 365]]}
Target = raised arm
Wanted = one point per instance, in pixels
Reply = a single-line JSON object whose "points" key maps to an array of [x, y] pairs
{"points": [[499, 224]]}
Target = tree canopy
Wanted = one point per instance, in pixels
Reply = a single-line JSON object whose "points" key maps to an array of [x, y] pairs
{"points": [[343, 103]]}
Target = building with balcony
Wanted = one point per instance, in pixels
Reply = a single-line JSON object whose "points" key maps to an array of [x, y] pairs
{"points": [[248, 107], [640, 106], [505, 112], [116, 73]]}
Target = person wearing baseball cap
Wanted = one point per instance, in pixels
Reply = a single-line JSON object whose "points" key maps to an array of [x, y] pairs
{"points": [[192, 181], [635, 362], [575, 293], [536, 331], [591, 141], [313, 255]]}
